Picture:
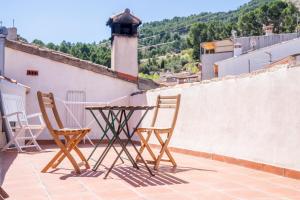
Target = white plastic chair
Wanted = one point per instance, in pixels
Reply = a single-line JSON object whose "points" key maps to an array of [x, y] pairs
{"points": [[21, 133]]}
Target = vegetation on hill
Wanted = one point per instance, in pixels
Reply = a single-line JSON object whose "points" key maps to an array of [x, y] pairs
{"points": [[97, 53], [173, 44]]}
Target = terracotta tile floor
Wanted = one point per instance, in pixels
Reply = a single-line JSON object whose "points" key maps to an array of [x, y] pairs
{"points": [[194, 178]]}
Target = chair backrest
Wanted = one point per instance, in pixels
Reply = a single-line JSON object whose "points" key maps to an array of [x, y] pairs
{"points": [[46, 101], [12, 103], [167, 102]]}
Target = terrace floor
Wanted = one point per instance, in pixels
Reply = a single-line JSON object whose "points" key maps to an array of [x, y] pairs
{"points": [[194, 178]]}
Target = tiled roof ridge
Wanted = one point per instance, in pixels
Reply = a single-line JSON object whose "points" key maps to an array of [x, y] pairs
{"points": [[10, 80], [65, 58]]}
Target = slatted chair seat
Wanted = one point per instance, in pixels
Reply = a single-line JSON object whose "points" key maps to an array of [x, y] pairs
{"points": [[71, 136], [158, 129], [145, 133], [67, 131]]}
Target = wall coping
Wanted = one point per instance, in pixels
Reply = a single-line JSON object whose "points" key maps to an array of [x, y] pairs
{"points": [[229, 77]]}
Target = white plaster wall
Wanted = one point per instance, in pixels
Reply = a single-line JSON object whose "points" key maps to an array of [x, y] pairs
{"points": [[257, 59], [124, 55], [59, 78], [208, 61], [254, 118]]}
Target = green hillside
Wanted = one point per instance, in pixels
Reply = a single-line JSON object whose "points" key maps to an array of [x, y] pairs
{"points": [[173, 44], [181, 25], [171, 38], [171, 33]]}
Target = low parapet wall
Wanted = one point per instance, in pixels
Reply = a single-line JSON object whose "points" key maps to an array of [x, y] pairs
{"points": [[252, 117]]}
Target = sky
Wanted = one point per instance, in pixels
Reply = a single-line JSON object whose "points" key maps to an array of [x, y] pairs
{"points": [[85, 20]]}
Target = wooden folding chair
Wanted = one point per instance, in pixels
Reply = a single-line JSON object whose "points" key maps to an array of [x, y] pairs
{"points": [[3, 194], [72, 136], [163, 102]]}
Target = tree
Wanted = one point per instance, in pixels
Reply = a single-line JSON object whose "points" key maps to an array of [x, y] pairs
{"points": [[278, 13], [289, 18], [38, 42], [65, 47], [20, 38], [197, 34], [249, 24], [52, 46]]}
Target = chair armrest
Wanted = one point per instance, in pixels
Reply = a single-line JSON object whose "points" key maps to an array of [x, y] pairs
{"points": [[18, 117], [34, 115], [12, 114], [39, 115]]}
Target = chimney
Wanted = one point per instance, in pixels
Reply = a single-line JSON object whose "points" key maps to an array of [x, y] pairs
{"points": [[268, 29], [124, 36], [12, 33], [3, 35], [237, 49]]}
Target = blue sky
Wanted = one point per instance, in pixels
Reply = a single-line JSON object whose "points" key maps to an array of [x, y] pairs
{"points": [[84, 20]]}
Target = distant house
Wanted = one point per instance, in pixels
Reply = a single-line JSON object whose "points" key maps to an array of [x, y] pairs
{"points": [[216, 51], [257, 59], [170, 79]]}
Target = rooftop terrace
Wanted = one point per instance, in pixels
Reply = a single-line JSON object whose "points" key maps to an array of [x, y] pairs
{"points": [[194, 178]]}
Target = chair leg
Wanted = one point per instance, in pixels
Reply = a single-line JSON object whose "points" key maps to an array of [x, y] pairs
{"points": [[69, 156], [66, 153], [79, 153], [14, 141], [68, 143], [145, 145], [172, 160], [33, 140], [3, 194], [163, 150], [148, 147], [72, 145], [52, 161]]}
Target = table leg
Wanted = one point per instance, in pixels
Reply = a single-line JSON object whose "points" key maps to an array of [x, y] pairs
{"points": [[104, 132], [113, 140], [117, 139], [129, 140]]}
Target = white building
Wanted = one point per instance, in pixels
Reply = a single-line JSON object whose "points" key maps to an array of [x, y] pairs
{"points": [[212, 52], [257, 59]]}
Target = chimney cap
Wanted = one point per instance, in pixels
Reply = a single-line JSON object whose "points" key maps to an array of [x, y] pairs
{"points": [[3, 31], [124, 18]]}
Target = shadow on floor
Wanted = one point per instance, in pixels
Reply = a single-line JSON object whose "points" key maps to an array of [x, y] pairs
{"points": [[71, 174], [7, 158], [142, 178], [175, 170], [84, 173]]}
